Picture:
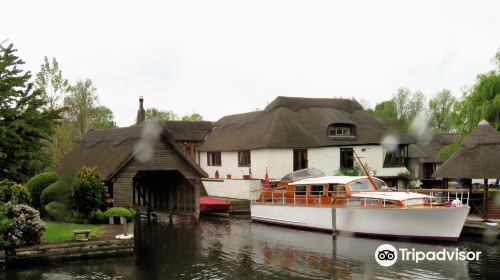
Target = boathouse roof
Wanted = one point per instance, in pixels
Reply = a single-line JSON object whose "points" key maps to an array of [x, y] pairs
{"points": [[477, 157], [111, 149], [295, 122]]}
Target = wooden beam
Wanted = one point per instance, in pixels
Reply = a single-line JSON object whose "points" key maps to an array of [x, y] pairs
{"points": [[485, 200]]}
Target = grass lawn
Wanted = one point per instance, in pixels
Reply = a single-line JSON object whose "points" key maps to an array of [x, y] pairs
{"points": [[64, 231]]}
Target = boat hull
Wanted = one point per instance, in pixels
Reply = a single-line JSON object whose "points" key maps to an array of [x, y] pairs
{"points": [[302, 216], [443, 223]]}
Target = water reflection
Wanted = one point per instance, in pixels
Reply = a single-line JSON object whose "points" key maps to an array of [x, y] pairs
{"points": [[240, 249]]}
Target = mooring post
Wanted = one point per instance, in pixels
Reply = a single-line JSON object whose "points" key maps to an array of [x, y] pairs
{"points": [[334, 220], [197, 200]]}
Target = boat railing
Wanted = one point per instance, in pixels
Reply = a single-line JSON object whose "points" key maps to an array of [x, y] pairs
{"points": [[436, 198]]}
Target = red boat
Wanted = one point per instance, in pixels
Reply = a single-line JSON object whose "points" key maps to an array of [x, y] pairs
{"points": [[210, 205]]}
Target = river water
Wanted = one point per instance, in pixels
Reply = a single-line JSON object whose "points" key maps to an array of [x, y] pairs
{"points": [[236, 248]]}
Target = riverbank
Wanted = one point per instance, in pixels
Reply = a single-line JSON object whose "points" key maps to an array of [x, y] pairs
{"points": [[101, 244]]}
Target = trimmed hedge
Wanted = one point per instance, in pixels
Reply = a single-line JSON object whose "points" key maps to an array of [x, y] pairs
{"points": [[57, 211], [38, 183], [59, 191], [118, 211]]}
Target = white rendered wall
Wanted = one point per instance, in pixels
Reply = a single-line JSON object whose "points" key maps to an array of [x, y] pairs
{"points": [[328, 159], [279, 162]]}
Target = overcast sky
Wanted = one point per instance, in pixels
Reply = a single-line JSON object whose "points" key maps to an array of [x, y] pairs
{"points": [[225, 57]]}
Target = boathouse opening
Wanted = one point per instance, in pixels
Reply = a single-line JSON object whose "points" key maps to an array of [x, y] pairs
{"points": [[164, 192]]}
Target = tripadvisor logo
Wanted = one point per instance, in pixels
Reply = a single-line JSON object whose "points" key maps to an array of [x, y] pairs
{"points": [[387, 255]]}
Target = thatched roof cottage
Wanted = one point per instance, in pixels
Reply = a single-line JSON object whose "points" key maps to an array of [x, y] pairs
{"points": [[292, 133]]}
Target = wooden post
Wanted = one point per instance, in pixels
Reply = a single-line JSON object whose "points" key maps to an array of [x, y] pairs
{"points": [[334, 220], [485, 200], [196, 186]]}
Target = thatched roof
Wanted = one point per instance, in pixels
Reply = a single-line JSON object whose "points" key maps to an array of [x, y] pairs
{"points": [[110, 149], [428, 150], [194, 131], [477, 157], [292, 122]]}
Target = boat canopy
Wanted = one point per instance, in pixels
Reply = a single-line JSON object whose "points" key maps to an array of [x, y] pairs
{"points": [[391, 195], [334, 180], [303, 173]]}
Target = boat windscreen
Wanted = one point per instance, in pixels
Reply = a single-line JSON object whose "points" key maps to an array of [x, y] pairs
{"points": [[303, 173], [361, 185]]}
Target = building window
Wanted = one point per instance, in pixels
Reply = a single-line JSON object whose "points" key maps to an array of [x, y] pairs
{"points": [[341, 130], [346, 158], [244, 158], [397, 157], [299, 159], [213, 159]]}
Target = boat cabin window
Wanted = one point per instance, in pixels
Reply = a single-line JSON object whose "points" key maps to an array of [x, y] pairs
{"points": [[361, 185], [300, 190], [316, 190], [414, 201], [287, 178], [354, 201], [380, 184], [390, 203], [333, 188], [371, 201]]}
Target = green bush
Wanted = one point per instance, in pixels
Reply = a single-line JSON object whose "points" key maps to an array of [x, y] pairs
{"points": [[89, 193], [13, 192], [132, 211], [97, 217], [58, 191], [118, 211], [78, 217], [57, 211], [38, 183]]}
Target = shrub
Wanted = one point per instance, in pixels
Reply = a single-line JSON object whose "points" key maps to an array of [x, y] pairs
{"points": [[118, 211], [57, 211], [408, 180], [58, 191], [97, 217], [38, 183], [27, 227], [132, 211], [13, 192], [88, 190], [78, 217]]}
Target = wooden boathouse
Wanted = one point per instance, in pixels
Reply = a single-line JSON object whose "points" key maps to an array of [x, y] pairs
{"points": [[143, 166]]}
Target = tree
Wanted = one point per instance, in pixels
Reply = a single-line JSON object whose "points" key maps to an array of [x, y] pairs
{"points": [[51, 82], [481, 101], [400, 111], [387, 111], [101, 117], [88, 190], [192, 117], [25, 121], [80, 102], [440, 110], [153, 113]]}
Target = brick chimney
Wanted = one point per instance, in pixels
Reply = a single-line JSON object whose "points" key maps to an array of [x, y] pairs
{"points": [[141, 114]]}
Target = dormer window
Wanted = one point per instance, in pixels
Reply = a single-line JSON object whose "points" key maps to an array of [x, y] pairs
{"points": [[339, 130]]}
